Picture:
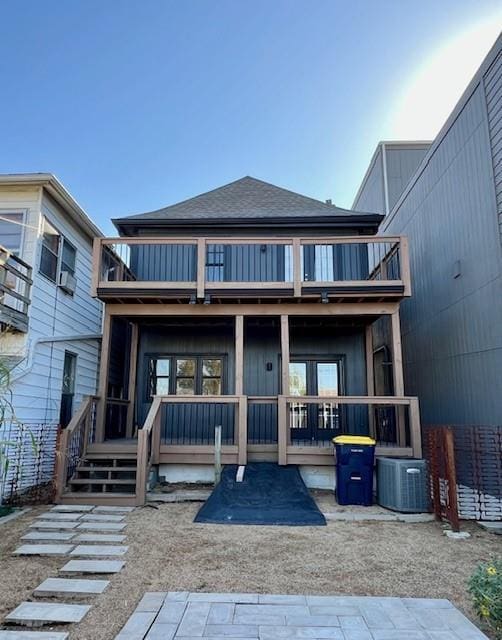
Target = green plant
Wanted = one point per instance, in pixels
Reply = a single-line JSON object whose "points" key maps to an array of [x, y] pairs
{"points": [[7, 421], [485, 586]]}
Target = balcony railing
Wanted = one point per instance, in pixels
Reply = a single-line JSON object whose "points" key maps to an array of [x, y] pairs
{"points": [[15, 285], [225, 268]]}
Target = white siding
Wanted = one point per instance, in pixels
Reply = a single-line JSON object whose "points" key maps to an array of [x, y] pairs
{"points": [[37, 380]]}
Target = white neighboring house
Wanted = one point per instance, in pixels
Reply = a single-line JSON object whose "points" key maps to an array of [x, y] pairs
{"points": [[51, 341]]}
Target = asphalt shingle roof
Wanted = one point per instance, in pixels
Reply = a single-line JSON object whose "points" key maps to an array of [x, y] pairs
{"points": [[245, 198]]}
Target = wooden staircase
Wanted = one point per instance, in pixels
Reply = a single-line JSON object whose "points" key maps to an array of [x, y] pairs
{"points": [[103, 478]]}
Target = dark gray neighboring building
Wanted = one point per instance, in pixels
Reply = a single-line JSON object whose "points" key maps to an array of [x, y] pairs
{"points": [[391, 167], [451, 211]]}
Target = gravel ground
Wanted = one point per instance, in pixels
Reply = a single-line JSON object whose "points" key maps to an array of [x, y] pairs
{"points": [[167, 551]]}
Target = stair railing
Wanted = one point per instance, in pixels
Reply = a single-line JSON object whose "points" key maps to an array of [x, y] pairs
{"points": [[73, 443], [148, 448]]}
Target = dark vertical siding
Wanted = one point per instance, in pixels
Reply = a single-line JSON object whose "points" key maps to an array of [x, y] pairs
{"points": [[493, 95], [171, 263], [118, 368], [254, 263], [452, 342], [262, 345]]}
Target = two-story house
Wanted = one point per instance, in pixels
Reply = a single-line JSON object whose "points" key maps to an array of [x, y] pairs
{"points": [[50, 326], [250, 307]]}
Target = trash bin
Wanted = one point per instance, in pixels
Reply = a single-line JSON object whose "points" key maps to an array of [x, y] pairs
{"points": [[355, 459]]}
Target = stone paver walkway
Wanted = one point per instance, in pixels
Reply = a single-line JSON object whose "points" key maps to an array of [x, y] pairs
{"points": [[46, 537], [220, 616]]}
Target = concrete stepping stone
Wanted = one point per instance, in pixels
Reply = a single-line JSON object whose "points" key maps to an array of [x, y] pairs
{"points": [[43, 550], [36, 614], [112, 509], [71, 508], [100, 537], [50, 524], [33, 635], [101, 526], [61, 587], [92, 566], [55, 515], [48, 536], [99, 550], [101, 517]]}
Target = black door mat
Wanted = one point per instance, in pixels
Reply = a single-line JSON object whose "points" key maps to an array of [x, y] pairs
{"points": [[269, 494]]}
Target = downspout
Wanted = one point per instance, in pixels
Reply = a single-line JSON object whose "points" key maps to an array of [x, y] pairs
{"points": [[51, 339]]}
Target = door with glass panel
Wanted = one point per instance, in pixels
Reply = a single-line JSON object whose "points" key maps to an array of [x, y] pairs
{"points": [[321, 421]]}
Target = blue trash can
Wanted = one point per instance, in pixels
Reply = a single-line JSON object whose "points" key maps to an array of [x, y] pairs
{"points": [[355, 459]]}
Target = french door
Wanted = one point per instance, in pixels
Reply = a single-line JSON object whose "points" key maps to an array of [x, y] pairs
{"points": [[315, 377]]}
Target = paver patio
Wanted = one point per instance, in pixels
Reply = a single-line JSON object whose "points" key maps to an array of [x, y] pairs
{"points": [[183, 615]]}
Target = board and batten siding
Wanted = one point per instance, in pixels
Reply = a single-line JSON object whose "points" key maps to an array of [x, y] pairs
{"points": [[492, 81], [452, 324], [37, 380]]}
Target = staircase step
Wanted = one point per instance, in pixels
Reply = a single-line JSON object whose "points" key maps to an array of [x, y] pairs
{"points": [[114, 498], [102, 481], [99, 468]]}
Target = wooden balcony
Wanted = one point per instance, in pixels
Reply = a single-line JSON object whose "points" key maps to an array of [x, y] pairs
{"points": [[15, 285], [268, 269]]}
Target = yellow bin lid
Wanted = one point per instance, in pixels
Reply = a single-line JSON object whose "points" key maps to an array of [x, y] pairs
{"points": [[354, 440]]}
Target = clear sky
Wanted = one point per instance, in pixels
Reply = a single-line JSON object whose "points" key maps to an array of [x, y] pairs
{"points": [[139, 104]]}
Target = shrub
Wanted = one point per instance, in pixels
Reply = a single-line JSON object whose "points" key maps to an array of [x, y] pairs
{"points": [[485, 586]]}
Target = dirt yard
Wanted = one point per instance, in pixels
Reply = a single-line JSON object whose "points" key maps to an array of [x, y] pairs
{"points": [[168, 552]]}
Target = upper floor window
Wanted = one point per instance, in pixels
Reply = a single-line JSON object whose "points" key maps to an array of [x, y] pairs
{"points": [[49, 255], [68, 257], [57, 254], [11, 231]]}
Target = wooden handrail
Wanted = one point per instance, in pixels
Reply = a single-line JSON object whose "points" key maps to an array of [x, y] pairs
{"points": [[82, 416]]}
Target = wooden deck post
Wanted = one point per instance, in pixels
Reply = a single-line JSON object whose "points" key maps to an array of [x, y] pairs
{"points": [[370, 376], [239, 355], [282, 417], [201, 267], [397, 372], [415, 428], [61, 461], [282, 430], [242, 438], [131, 387], [297, 268], [103, 376]]}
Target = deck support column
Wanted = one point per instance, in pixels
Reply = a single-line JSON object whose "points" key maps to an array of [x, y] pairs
{"points": [[370, 376], [397, 372], [282, 419], [241, 436], [103, 376], [131, 387]]}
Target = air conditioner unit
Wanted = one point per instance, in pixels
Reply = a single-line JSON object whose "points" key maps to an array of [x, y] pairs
{"points": [[67, 282], [402, 484]]}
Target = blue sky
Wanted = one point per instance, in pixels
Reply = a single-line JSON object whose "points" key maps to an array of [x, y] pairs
{"points": [[139, 104]]}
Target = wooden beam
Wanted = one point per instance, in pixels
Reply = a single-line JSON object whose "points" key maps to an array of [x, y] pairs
{"points": [[397, 354], [103, 376], [404, 263], [282, 431], [239, 356], [415, 428], [96, 261], [370, 375], [131, 386], [230, 310], [201, 267], [285, 355], [297, 268], [242, 440]]}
